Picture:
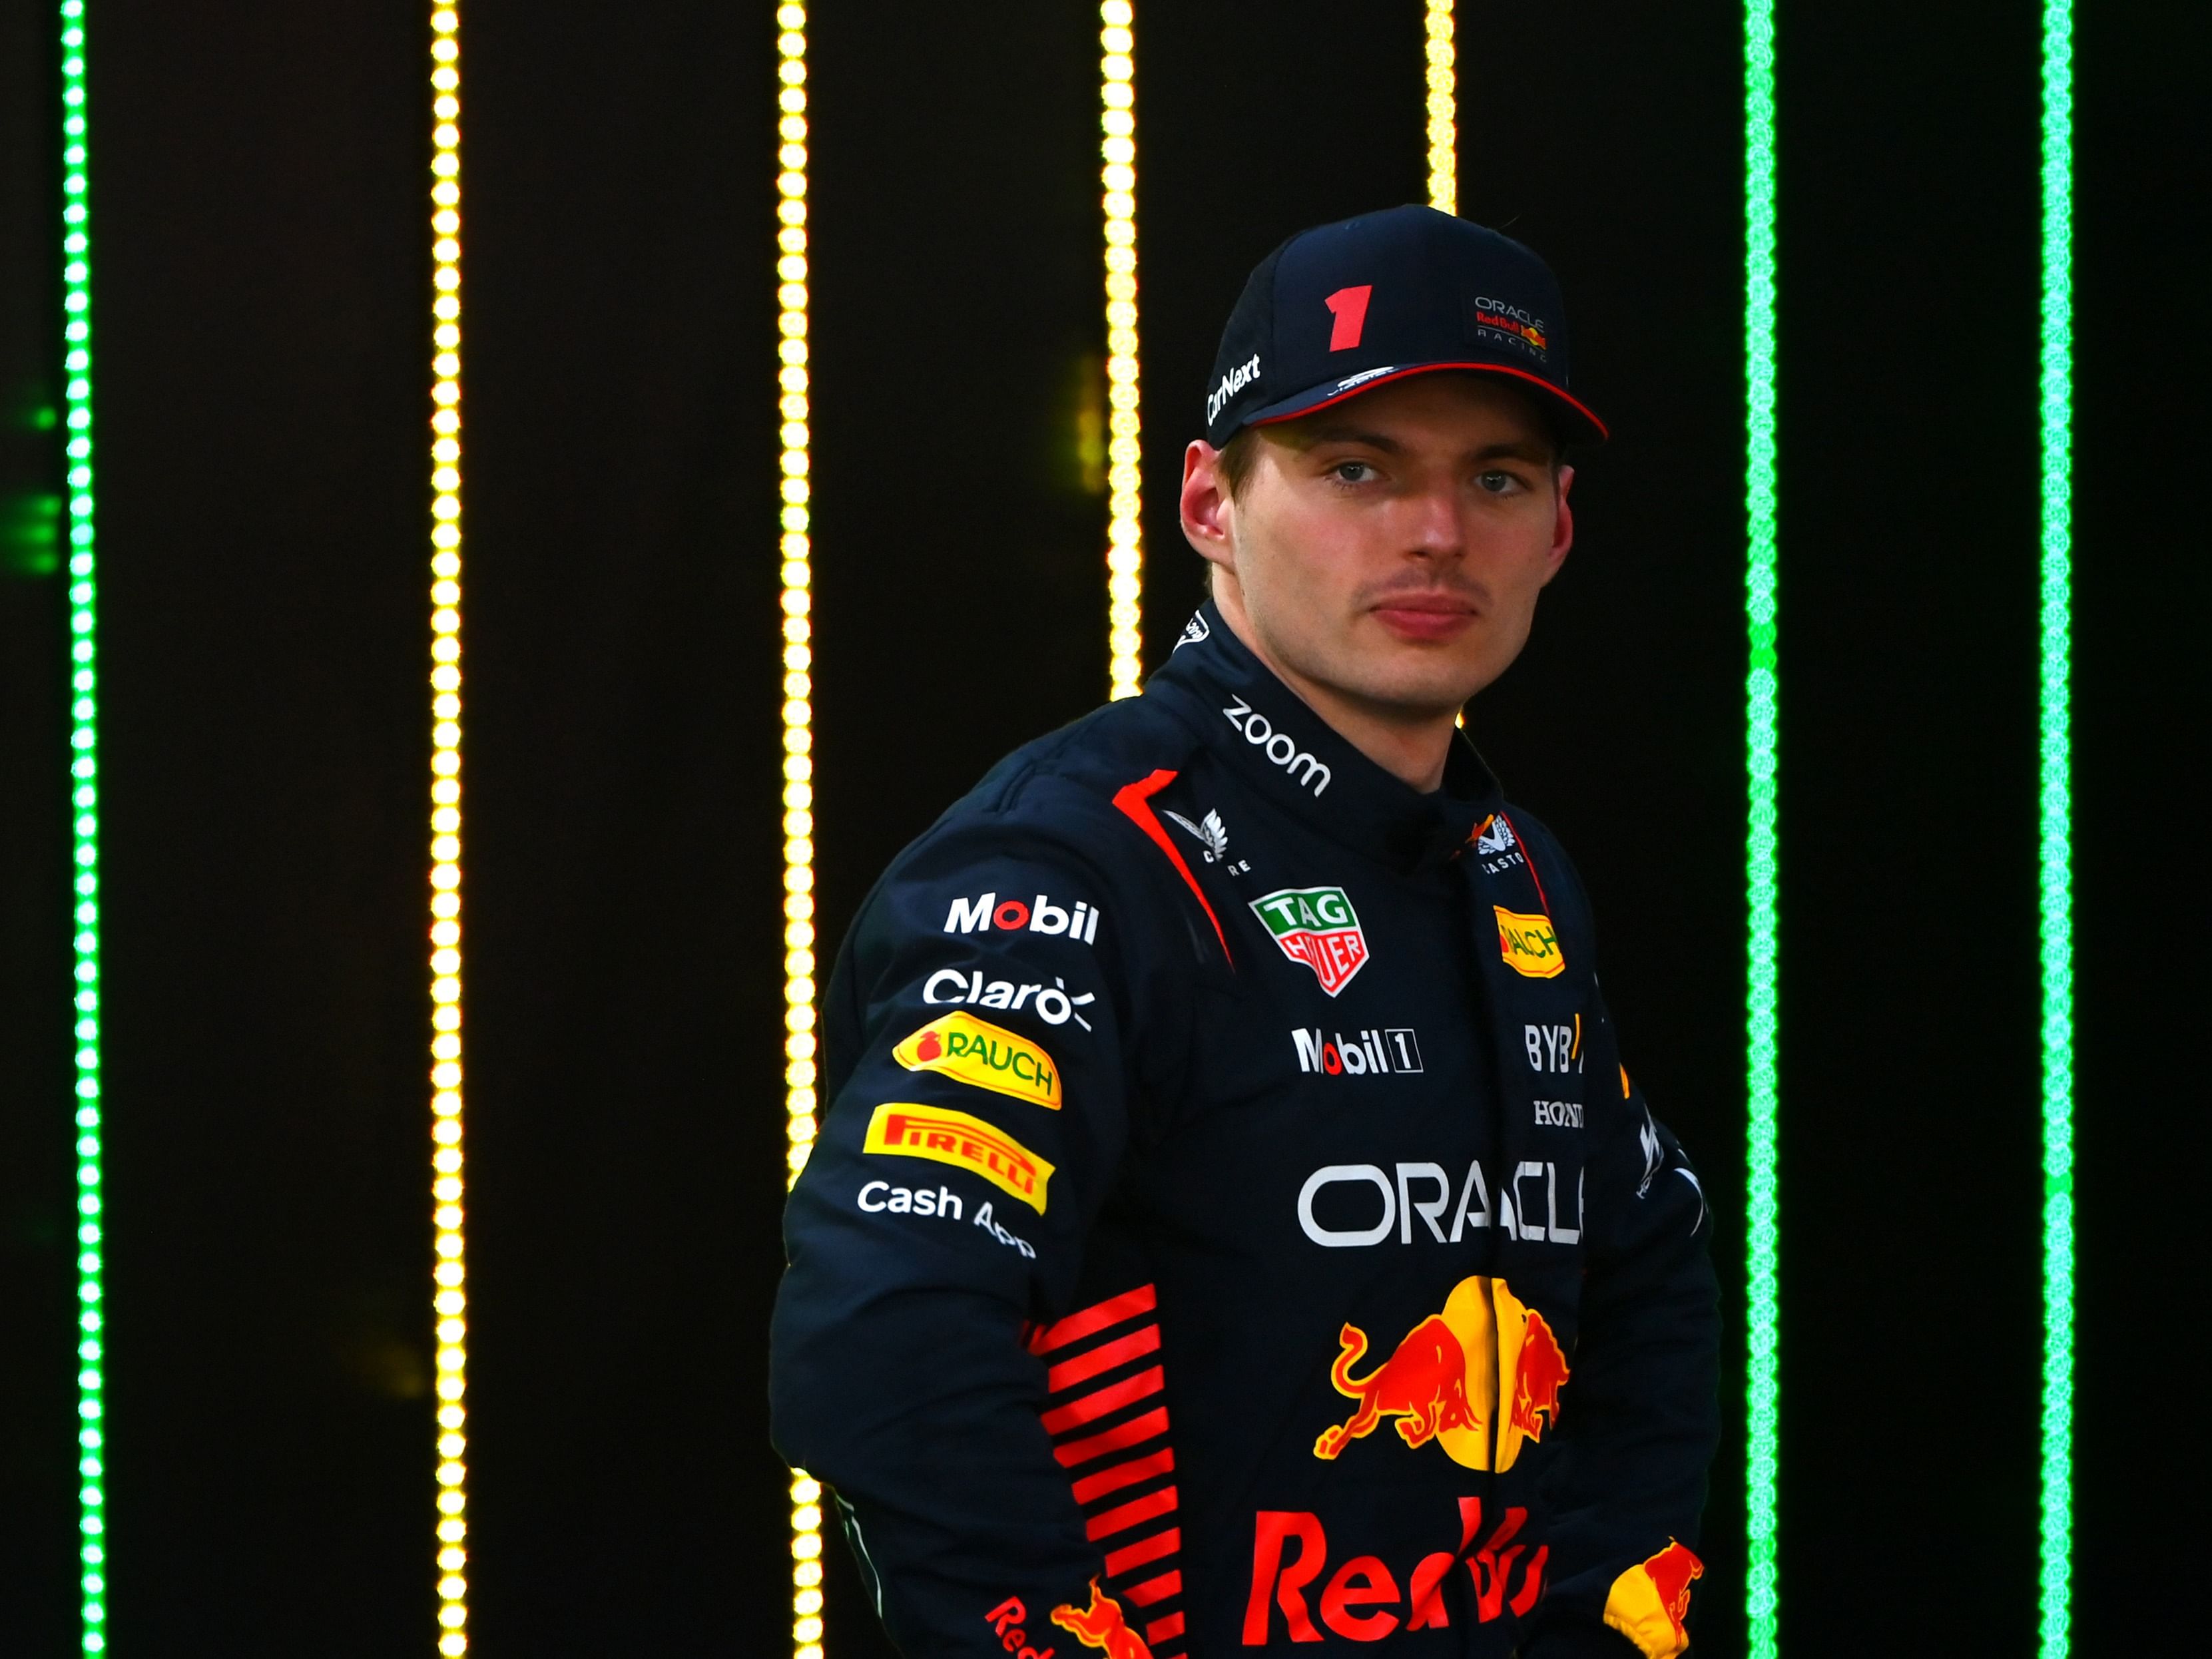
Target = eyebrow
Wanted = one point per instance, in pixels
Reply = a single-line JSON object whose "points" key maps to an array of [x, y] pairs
{"points": [[1509, 449]]}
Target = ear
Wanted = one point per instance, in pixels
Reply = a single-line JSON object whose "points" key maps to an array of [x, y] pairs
{"points": [[1563, 525], [1209, 516]]}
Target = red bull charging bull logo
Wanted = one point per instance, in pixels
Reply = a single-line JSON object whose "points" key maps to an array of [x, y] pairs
{"points": [[1101, 1626], [1487, 1359], [1648, 1603]]}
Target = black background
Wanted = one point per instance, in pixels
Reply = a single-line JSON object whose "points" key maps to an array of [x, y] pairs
{"points": [[262, 279]]}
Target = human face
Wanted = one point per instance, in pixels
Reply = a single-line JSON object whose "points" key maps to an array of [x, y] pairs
{"points": [[1386, 553]]}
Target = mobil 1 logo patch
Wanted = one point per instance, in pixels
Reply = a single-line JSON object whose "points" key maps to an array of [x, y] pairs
{"points": [[1375, 1052]]}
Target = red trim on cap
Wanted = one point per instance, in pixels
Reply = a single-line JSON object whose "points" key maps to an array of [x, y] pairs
{"points": [[1429, 369]]}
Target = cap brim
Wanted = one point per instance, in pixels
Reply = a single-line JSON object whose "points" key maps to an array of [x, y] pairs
{"points": [[1578, 425]]}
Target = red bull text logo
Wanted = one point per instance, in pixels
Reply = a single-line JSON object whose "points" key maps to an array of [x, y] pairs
{"points": [[1362, 1601], [1005, 1623], [945, 1136], [1318, 926], [1529, 945], [1488, 314], [989, 1056], [1446, 1377], [1648, 1603]]}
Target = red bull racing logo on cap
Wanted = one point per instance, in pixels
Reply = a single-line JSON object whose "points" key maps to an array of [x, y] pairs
{"points": [[1318, 926], [1491, 318], [989, 1056], [1487, 1369]]}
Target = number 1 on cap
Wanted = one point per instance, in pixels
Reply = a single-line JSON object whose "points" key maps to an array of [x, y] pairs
{"points": [[1349, 306]]}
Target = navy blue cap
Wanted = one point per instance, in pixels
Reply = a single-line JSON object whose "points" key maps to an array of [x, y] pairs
{"points": [[1344, 308]]}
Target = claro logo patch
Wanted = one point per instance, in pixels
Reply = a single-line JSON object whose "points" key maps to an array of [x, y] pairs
{"points": [[1528, 944], [989, 1056], [944, 1136]]}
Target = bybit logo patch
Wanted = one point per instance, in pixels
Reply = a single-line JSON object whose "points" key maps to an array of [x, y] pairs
{"points": [[989, 1056]]}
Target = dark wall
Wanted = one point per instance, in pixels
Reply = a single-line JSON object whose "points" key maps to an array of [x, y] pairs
{"points": [[38, 1185], [261, 303]]}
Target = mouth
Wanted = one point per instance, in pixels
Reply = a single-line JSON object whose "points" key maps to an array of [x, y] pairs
{"points": [[1421, 617]]}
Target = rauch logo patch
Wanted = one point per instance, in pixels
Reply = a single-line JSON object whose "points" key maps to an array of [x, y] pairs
{"points": [[1318, 926], [1528, 944], [989, 1056], [945, 1136]]}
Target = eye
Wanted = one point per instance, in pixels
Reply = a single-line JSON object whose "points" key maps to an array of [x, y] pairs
{"points": [[1498, 482], [1352, 472]]}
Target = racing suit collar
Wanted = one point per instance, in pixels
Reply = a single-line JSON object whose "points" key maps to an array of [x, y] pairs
{"points": [[1268, 735]]}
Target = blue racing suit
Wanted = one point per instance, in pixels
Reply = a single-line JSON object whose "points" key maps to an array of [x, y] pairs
{"points": [[1231, 1227]]}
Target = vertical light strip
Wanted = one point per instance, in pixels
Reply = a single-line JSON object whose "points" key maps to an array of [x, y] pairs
{"points": [[798, 963], [1125, 554], [1762, 1445], [1444, 110], [451, 1298], [2055, 811], [84, 828]]}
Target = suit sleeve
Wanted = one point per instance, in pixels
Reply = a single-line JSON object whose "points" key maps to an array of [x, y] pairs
{"points": [[1643, 1418], [981, 1067]]}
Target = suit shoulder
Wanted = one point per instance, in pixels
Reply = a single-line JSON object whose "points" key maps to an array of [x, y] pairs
{"points": [[1052, 796], [1071, 776]]}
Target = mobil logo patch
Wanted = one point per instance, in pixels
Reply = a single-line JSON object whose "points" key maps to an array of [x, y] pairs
{"points": [[987, 912], [975, 1051], [1318, 926], [1528, 944]]}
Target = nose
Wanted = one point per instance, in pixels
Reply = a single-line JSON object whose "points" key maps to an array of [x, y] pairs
{"points": [[1434, 531]]}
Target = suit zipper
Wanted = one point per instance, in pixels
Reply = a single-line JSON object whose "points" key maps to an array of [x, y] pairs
{"points": [[1497, 1368]]}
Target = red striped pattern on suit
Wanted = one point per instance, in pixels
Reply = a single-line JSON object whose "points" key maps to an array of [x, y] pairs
{"points": [[1108, 1423]]}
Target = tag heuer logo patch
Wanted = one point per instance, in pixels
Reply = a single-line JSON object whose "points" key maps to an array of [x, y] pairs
{"points": [[1318, 926]]}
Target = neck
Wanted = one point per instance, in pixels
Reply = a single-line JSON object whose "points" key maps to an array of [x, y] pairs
{"points": [[1411, 744]]}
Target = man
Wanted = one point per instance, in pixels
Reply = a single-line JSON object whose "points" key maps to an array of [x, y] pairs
{"points": [[1232, 1227]]}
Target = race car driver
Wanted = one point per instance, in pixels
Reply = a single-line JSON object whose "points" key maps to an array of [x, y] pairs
{"points": [[1232, 1227]]}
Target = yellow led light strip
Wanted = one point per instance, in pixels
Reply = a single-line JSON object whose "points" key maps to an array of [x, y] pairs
{"points": [[799, 1041], [1443, 111], [451, 1300], [1125, 556]]}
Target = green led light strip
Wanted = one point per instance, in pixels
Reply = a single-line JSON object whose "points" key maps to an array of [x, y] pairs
{"points": [[2054, 810], [1761, 1447], [84, 803]]}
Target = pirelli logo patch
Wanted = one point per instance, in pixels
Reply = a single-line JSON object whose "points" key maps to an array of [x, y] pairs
{"points": [[989, 1056], [944, 1136], [1528, 944]]}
